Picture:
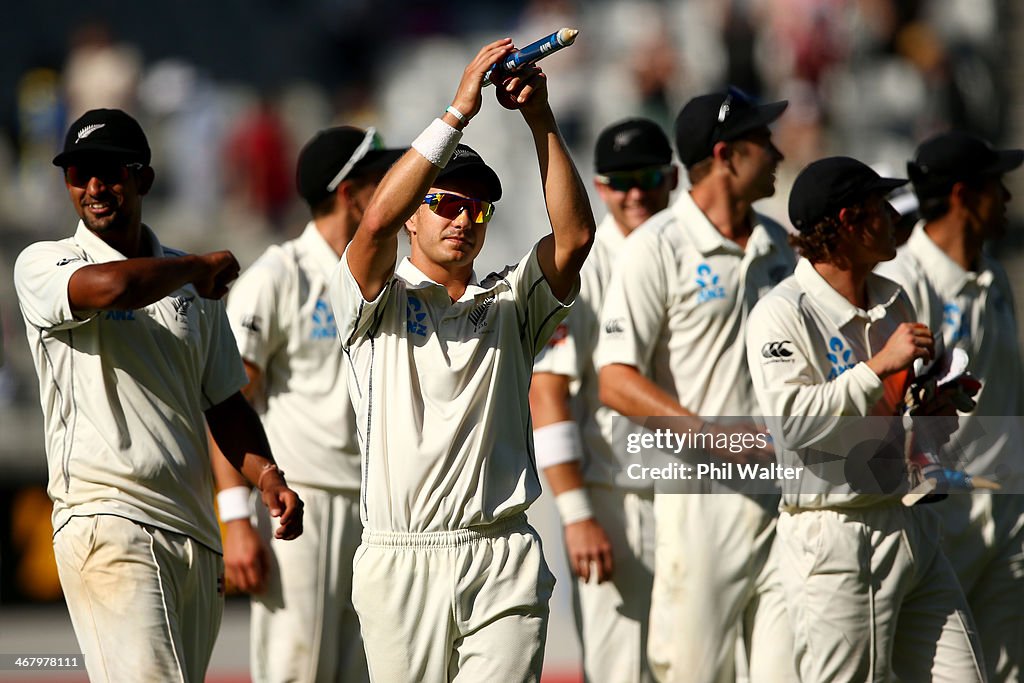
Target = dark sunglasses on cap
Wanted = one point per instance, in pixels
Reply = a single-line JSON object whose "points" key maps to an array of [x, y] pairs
{"points": [[451, 206], [644, 179], [79, 175]]}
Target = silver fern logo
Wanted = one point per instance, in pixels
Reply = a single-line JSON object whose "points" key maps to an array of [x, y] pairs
{"points": [[88, 130], [479, 314]]}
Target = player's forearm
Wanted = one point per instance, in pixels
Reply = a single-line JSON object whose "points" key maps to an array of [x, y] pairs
{"points": [[238, 432], [566, 476], [549, 399], [623, 389], [225, 475], [565, 196], [131, 283]]}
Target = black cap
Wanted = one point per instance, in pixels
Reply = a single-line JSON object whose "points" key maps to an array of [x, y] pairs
{"points": [[698, 127], [950, 157], [107, 133], [828, 185], [631, 144], [466, 163], [326, 155]]}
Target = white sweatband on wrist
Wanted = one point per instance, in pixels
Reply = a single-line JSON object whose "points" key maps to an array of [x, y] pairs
{"points": [[233, 503], [557, 443], [437, 142], [574, 506], [456, 113]]}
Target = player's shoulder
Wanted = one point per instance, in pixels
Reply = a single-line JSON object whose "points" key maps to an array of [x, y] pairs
{"points": [[776, 232], [905, 268], [49, 253], [277, 261], [785, 298]]}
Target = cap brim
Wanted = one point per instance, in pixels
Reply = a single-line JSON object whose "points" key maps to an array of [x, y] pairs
{"points": [[67, 158], [476, 171], [1008, 160], [886, 185], [761, 117]]}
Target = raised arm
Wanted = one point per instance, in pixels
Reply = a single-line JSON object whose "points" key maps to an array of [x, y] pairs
{"points": [[373, 251], [561, 255]]}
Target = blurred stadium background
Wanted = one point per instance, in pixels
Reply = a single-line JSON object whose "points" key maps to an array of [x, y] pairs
{"points": [[228, 90]]}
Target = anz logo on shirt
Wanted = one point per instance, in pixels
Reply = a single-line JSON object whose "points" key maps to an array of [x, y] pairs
{"points": [[708, 283], [414, 317], [323, 321], [119, 316], [839, 357], [953, 318]]}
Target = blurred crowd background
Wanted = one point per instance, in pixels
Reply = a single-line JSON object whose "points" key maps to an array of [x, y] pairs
{"points": [[228, 90]]}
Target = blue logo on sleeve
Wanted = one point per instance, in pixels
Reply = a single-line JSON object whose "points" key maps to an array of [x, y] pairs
{"points": [[708, 283], [414, 317], [839, 358], [323, 321]]}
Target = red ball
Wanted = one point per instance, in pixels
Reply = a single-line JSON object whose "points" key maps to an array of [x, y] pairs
{"points": [[505, 98]]}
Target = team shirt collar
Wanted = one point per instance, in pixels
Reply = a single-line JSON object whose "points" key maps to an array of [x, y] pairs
{"points": [[609, 234], [882, 291], [706, 237], [416, 279], [319, 249], [949, 277], [101, 252]]}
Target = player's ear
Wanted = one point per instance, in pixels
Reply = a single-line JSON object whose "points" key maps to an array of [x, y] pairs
{"points": [[673, 178], [144, 179]]}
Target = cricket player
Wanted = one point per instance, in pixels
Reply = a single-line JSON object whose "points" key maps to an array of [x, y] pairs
{"points": [[303, 625], [608, 518], [870, 594], [671, 344], [965, 295], [133, 351], [450, 583]]}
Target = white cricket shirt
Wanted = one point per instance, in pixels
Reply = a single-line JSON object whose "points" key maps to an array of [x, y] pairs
{"points": [[973, 311], [570, 352], [678, 304], [441, 391], [123, 392], [282, 318], [806, 347]]}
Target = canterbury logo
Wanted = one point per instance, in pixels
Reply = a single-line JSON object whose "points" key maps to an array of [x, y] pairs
{"points": [[776, 350], [88, 130]]}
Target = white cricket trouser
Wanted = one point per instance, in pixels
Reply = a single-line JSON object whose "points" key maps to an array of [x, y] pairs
{"points": [[612, 617], [983, 537], [145, 603], [715, 578], [467, 606], [304, 627], [873, 598]]}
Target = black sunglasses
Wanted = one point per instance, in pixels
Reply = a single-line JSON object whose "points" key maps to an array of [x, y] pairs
{"points": [[79, 175]]}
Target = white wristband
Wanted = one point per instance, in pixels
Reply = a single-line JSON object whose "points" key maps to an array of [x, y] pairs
{"points": [[233, 503], [574, 506], [437, 142], [456, 113], [557, 443]]}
